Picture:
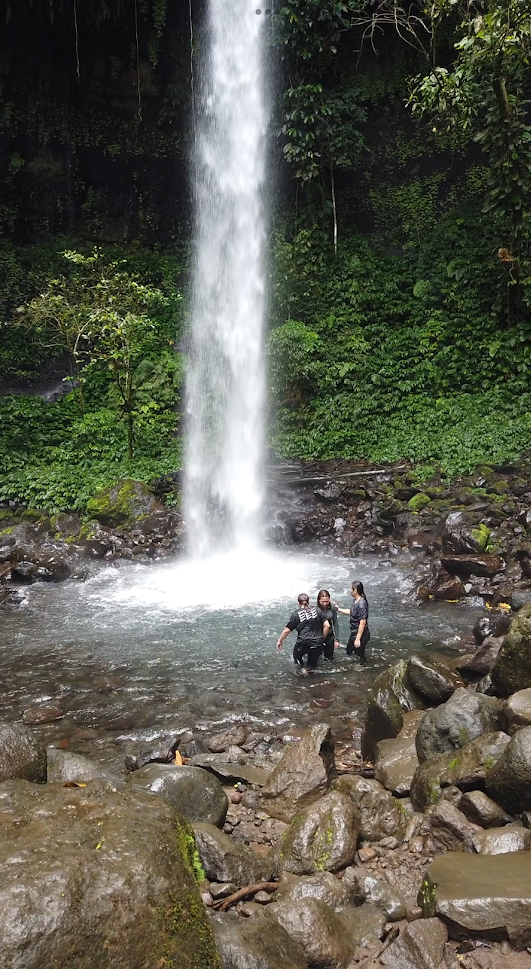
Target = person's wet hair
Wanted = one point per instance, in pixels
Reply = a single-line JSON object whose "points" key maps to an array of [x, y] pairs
{"points": [[358, 587], [303, 599], [322, 592]]}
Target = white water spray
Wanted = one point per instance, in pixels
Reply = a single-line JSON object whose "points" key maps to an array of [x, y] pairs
{"points": [[225, 387]]}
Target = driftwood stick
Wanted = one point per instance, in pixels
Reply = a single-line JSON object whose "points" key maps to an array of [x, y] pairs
{"points": [[222, 904], [5, 570], [337, 477]]}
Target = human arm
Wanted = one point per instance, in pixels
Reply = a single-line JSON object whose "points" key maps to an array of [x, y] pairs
{"points": [[326, 628], [285, 632], [361, 629], [335, 627], [344, 612]]}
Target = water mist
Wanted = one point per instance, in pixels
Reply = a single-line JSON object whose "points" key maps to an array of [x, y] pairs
{"points": [[223, 489]]}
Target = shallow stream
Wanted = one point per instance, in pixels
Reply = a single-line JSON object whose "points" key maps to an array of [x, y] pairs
{"points": [[141, 651]]}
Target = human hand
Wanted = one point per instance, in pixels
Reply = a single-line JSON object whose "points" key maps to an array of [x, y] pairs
{"points": [[279, 644], [337, 644]]}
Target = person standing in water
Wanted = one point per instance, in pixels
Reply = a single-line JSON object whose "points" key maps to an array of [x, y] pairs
{"points": [[359, 622], [331, 641], [312, 627]]}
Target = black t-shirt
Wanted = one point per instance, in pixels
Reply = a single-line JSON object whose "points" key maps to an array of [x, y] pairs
{"points": [[359, 610], [331, 615], [309, 625]]}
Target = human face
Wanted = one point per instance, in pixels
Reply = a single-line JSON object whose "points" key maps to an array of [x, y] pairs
{"points": [[324, 601]]}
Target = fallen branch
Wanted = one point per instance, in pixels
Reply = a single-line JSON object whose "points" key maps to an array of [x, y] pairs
{"points": [[5, 570], [222, 904], [338, 477]]}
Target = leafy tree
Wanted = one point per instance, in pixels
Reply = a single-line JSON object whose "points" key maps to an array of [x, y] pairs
{"points": [[106, 320]]}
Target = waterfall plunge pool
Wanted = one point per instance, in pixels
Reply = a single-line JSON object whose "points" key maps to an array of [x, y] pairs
{"points": [[143, 651]]}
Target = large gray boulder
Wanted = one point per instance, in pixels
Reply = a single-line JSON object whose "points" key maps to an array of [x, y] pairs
{"points": [[509, 780], [390, 696], [419, 946], [464, 768], [396, 763], [250, 944], [377, 891], [65, 766], [499, 841], [196, 793], [482, 810], [481, 894], [22, 754], [517, 710], [481, 662], [448, 829], [225, 860], [512, 669], [97, 879], [455, 723], [380, 814], [123, 503], [327, 939], [431, 679], [335, 892], [302, 775], [321, 837]]}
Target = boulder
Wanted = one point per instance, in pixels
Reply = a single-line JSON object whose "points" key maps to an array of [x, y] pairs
{"points": [[162, 752], [512, 669], [482, 661], [233, 736], [517, 710], [380, 815], [224, 860], [509, 780], [124, 503], [377, 891], [432, 680], [321, 837], [460, 538], [22, 754], [327, 939], [482, 810], [499, 841], [419, 946], [323, 885], [65, 766], [465, 768], [390, 696], [396, 763], [302, 774], [476, 564], [449, 829], [481, 894], [455, 723], [250, 944], [496, 624], [195, 793], [97, 879]]}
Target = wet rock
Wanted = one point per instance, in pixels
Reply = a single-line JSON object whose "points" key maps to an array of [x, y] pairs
{"points": [[321, 837], [419, 946], [41, 714], [465, 768], [66, 524], [517, 710], [455, 723], [509, 780], [512, 669], [233, 736], [395, 765], [65, 767], [250, 944], [303, 773], [441, 585], [161, 753], [481, 662], [499, 841], [466, 565], [224, 860], [481, 894], [460, 538], [123, 503], [195, 793], [94, 877], [380, 814], [230, 772], [449, 829], [482, 810], [431, 679], [390, 696], [368, 888], [495, 625], [327, 939], [323, 885], [22, 754]]}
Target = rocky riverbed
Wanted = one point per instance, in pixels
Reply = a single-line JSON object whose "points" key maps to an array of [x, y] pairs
{"points": [[406, 847]]}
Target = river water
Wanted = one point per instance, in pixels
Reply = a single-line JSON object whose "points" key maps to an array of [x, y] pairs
{"points": [[136, 653]]}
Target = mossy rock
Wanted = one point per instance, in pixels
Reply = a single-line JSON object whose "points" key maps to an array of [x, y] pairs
{"points": [[481, 535], [418, 502], [499, 487], [124, 503], [512, 669]]}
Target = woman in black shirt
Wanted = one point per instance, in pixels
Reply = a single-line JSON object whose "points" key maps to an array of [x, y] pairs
{"points": [[359, 622], [331, 641]]}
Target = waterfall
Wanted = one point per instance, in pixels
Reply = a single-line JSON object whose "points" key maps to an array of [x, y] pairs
{"points": [[223, 488]]}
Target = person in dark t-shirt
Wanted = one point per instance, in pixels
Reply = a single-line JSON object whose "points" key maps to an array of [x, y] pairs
{"points": [[312, 626], [359, 622]]}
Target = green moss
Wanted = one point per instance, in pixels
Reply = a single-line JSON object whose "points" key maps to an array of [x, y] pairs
{"points": [[189, 851], [426, 897], [481, 535], [454, 763], [418, 502]]}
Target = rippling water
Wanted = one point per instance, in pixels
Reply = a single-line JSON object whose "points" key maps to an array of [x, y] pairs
{"points": [[141, 651]]}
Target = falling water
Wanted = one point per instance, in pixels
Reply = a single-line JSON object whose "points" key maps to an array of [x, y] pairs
{"points": [[225, 387]]}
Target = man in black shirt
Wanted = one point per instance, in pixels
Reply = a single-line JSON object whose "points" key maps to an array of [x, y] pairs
{"points": [[312, 627]]}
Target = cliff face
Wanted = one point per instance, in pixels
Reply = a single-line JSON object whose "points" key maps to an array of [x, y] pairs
{"points": [[94, 109]]}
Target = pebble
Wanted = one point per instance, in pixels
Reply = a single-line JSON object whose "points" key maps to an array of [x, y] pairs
{"points": [[366, 854]]}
